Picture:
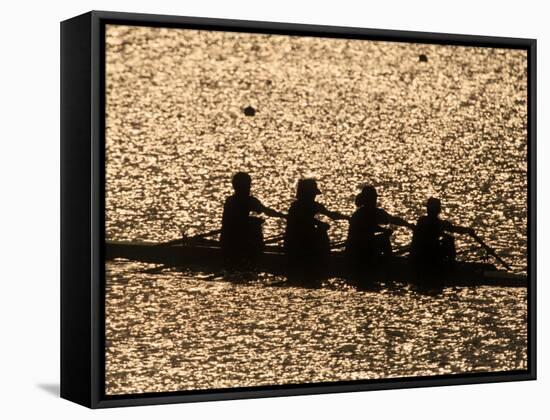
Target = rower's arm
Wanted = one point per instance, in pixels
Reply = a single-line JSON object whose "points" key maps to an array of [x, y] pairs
{"points": [[335, 215], [461, 229], [273, 213], [258, 207], [398, 221], [381, 229]]}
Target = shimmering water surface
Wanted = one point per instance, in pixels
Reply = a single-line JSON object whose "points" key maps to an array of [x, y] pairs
{"points": [[347, 112]]}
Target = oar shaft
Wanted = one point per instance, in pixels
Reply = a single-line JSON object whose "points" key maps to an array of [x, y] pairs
{"points": [[491, 251], [337, 244], [402, 250], [181, 240], [172, 242], [273, 239], [206, 235]]}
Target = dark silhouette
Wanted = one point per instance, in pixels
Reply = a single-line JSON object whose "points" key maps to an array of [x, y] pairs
{"points": [[306, 238], [433, 249], [368, 242], [249, 111], [241, 234]]}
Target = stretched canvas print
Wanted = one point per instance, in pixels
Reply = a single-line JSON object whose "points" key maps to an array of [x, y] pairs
{"points": [[287, 210]]}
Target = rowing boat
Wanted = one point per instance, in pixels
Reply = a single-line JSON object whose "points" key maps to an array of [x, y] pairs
{"points": [[207, 256]]}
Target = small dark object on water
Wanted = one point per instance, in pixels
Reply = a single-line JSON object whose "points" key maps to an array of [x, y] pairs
{"points": [[249, 111], [423, 58]]}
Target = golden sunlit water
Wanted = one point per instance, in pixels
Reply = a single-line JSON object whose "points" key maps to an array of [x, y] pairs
{"points": [[347, 112]]}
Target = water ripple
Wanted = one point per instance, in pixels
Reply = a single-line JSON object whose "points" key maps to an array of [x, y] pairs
{"points": [[347, 112]]}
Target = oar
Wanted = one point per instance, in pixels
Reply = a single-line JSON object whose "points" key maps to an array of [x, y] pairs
{"points": [[206, 235], [338, 244], [274, 239], [402, 250], [181, 240], [490, 250], [470, 249]]}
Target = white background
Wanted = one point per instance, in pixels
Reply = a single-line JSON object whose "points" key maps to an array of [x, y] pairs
{"points": [[29, 174]]}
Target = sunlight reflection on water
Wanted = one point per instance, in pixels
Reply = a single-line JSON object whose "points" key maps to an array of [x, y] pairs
{"points": [[348, 112]]}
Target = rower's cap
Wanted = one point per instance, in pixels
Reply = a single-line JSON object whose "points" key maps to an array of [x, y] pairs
{"points": [[307, 186], [367, 195], [241, 180], [433, 204], [369, 191]]}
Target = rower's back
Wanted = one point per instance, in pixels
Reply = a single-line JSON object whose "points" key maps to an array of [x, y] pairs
{"points": [[429, 245], [304, 234], [241, 235], [301, 229], [363, 226], [306, 240]]}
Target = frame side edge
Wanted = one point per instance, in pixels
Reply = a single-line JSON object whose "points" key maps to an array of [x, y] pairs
{"points": [[532, 204], [75, 210]]}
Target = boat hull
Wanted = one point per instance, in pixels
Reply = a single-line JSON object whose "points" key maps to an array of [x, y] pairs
{"points": [[209, 258]]}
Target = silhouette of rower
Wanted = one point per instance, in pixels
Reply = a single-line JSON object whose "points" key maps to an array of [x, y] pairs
{"points": [[432, 248], [241, 234], [306, 238], [367, 239]]}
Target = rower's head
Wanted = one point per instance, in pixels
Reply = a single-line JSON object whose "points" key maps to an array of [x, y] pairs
{"points": [[367, 197], [307, 189], [433, 206], [241, 183]]}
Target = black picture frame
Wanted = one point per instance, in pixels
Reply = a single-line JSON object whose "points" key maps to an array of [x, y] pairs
{"points": [[83, 204]]}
